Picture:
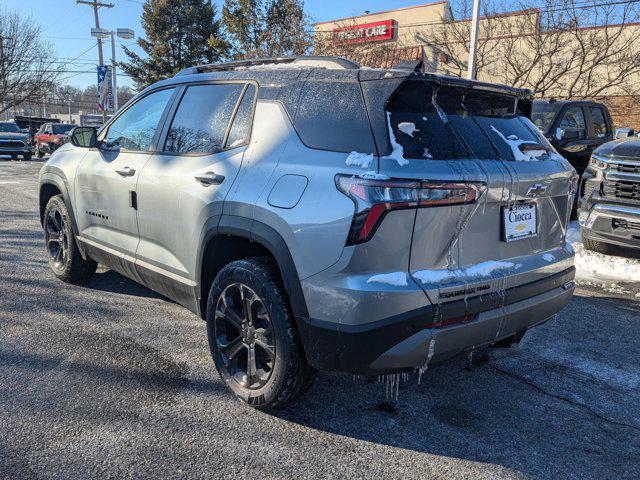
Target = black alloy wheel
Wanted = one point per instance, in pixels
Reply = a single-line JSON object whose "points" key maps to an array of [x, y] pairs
{"points": [[244, 335], [55, 235]]}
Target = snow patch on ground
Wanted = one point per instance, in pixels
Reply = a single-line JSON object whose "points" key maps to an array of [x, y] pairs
{"points": [[597, 269], [397, 152], [397, 279], [408, 127], [514, 143], [357, 159], [479, 270]]}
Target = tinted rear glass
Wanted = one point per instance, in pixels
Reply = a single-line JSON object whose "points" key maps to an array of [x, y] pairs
{"points": [[442, 123], [331, 116]]}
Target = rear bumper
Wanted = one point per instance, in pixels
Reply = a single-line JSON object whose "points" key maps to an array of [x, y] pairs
{"points": [[409, 340], [612, 223]]}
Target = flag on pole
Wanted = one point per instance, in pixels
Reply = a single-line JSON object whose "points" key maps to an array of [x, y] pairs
{"points": [[105, 88]]}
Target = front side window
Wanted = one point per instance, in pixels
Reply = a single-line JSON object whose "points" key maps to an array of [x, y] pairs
{"points": [[9, 127], [201, 121], [543, 113], [62, 128], [599, 123], [135, 128], [573, 119]]}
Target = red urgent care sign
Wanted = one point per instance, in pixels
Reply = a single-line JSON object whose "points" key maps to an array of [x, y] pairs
{"points": [[366, 32]]}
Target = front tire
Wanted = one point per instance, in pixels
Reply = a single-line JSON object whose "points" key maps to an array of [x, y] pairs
{"points": [[252, 337], [65, 259], [27, 156]]}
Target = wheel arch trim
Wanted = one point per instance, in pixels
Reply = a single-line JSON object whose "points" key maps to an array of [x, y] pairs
{"points": [[50, 178], [265, 236]]}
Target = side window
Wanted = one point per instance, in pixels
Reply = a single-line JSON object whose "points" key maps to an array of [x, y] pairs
{"points": [[201, 121], [573, 119], [47, 128], [599, 122], [241, 126], [135, 128], [331, 116]]}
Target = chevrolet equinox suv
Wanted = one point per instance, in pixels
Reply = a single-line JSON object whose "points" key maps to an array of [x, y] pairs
{"points": [[319, 215]]}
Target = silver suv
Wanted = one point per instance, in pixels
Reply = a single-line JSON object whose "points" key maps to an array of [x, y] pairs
{"points": [[319, 215]]}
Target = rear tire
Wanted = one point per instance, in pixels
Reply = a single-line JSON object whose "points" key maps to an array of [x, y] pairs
{"points": [[258, 354], [27, 156], [598, 246], [65, 259]]}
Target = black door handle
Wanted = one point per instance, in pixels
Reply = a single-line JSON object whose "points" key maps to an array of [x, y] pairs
{"points": [[126, 172], [209, 178]]}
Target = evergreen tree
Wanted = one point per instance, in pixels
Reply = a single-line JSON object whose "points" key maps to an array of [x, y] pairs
{"points": [[179, 34], [274, 28]]}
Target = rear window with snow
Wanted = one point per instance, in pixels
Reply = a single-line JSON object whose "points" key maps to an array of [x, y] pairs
{"points": [[442, 123], [332, 116]]}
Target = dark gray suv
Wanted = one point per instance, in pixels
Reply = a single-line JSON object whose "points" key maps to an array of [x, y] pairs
{"points": [[321, 216]]}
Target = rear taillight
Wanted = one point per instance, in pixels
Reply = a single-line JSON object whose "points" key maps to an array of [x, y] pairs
{"points": [[375, 197]]}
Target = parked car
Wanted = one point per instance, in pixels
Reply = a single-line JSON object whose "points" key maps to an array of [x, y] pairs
{"points": [[13, 141], [574, 127], [321, 216], [31, 125], [610, 197], [50, 136]]}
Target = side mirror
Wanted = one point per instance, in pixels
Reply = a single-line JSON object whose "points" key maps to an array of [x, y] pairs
{"points": [[623, 133], [85, 137]]}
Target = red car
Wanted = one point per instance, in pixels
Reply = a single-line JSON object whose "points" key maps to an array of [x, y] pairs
{"points": [[51, 136]]}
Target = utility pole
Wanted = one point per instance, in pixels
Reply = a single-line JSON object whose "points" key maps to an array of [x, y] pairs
{"points": [[3, 70], [113, 71], [96, 5], [473, 46]]}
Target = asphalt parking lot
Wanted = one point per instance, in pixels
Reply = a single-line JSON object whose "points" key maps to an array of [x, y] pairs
{"points": [[110, 380]]}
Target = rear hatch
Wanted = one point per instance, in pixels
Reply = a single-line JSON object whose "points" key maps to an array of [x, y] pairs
{"points": [[469, 134]]}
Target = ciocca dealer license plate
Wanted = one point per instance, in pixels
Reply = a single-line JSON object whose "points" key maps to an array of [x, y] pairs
{"points": [[519, 221]]}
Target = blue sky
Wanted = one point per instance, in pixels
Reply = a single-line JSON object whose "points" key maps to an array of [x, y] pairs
{"points": [[67, 26]]}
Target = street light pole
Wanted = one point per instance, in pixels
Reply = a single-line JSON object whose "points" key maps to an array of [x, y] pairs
{"points": [[473, 46], [96, 4], [113, 71]]}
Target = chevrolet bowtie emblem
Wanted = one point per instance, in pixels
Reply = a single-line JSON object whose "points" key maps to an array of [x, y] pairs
{"points": [[536, 189]]}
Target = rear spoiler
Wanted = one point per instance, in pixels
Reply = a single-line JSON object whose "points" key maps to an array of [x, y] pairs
{"points": [[378, 84]]}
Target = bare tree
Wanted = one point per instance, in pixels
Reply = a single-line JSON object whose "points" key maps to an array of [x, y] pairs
{"points": [[27, 64], [555, 47]]}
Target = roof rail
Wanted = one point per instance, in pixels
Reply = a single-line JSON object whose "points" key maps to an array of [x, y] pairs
{"points": [[310, 61]]}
